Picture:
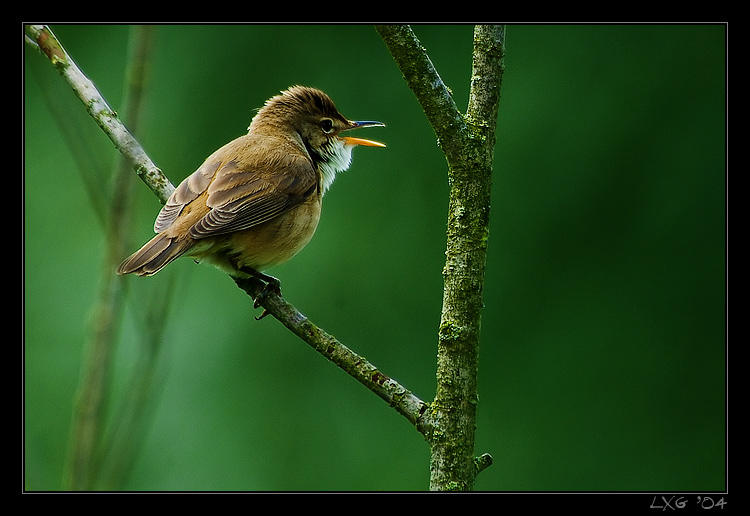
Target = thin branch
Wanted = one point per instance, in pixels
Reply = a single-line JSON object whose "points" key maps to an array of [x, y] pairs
{"points": [[486, 78], [86, 460], [397, 396], [393, 393], [423, 79], [42, 38]]}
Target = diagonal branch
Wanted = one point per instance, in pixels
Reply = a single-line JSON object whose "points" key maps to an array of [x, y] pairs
{"points": [[397, 396], [42, 38], [423, 79], [393, 393]]}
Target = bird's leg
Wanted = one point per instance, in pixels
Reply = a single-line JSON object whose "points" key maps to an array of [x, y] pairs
{"points": [[272, 285]]}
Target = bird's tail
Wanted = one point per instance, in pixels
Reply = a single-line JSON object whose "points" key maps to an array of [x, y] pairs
{"points": [[156, 254]]}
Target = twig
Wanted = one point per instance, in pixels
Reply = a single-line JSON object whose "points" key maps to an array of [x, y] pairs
{"points": [[423, 79], [88, 459], [393, 393], [42, 38], [400, 398]]}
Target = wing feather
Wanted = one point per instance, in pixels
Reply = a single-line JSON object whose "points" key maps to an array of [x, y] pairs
{"points": [[247, 192], [243, 188], [187, 191]]}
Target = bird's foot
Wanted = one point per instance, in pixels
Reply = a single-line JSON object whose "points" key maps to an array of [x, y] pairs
{"points": [[272, 286]]}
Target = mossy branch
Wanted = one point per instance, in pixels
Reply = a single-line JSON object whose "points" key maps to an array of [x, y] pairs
{"points": [[393, 393], [467, 142]]}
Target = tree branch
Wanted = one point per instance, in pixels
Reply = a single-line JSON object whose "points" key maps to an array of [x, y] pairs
{"points": [[467, 143], [397, 396], [393, 393], [486, 78], [87, 464], [42, 38], [423, 79]]}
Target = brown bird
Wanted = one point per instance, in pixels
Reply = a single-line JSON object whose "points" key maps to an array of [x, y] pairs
{"points": [[255, 202]]}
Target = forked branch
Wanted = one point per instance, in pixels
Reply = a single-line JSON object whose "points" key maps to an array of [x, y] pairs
{"points": [[467, 141]]}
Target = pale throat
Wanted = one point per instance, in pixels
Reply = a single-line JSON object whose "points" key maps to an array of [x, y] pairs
{"points": [[337, 156]]}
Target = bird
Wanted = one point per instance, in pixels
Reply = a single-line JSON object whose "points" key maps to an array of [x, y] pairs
{"points": [[256, 202]]}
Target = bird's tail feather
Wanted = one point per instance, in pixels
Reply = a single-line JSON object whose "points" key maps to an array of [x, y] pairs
{"points": [[156, 254]]}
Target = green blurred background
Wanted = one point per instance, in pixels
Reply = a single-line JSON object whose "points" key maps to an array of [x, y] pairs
{"points": [[602, 363]]}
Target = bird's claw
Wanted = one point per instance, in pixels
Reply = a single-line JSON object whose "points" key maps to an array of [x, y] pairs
{"points": [[273, 286]]}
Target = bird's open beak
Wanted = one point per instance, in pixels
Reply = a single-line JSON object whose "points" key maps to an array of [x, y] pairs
{"points": [[361, 141]]}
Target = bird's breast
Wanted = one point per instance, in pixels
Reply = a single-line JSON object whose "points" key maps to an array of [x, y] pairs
{"points": [[265, 245]]}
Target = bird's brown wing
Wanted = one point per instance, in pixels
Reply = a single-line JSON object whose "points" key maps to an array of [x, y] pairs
{"points": [[253, 188], [187, 191], [243, 188]]}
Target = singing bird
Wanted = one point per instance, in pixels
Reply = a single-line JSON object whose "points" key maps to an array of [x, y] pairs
{"points": [[255, 202]]}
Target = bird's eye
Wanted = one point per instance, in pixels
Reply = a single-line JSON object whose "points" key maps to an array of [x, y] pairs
{"points": [[327, 125]]}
